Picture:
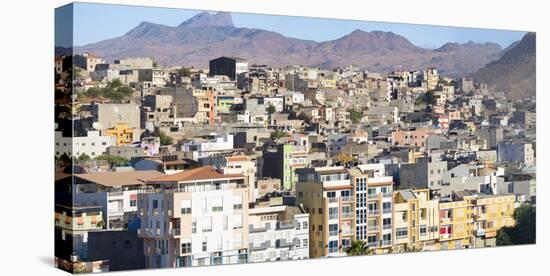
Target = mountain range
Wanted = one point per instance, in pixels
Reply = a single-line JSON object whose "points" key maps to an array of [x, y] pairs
{"points": [[206, 36], [515, 72]]}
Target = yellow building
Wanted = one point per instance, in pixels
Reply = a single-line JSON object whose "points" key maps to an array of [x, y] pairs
{"points": [[490, 214], [416, 220], [124, 134], [326, 194]]}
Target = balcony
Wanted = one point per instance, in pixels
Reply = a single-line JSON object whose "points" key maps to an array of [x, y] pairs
{"points": [[373, 228], [333, 200], [262, 246], [175, 232], [347, 199], [386, 210], [373, 244], [333, 233], [386, 226], [286, 225], [285, 243], [333, 216], [385, 243], [480, 232], [252, 229], [372, 196], [347, 215], [387, 195], [374, 212]]}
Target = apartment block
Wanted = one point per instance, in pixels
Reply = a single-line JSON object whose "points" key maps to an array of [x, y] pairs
{"points": [[327, 195], [373, 192], [278, 232], [416, 220], [194, 218]]}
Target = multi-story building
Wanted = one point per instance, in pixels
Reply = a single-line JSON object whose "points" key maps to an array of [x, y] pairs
{"points": [[228, 66], [415, 219], [124, 134], [92, 145], [456, 221], [373, 193], [108, 115], [205, 106], [327, 195], [516, 152], [115, 192], [492, 212], [282, 160], [278, 232], [411, 137], [194, 218], [208, 145], [242, 164]]}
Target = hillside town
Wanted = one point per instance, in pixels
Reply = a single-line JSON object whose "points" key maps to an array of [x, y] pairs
{"points": [[238, 162]]}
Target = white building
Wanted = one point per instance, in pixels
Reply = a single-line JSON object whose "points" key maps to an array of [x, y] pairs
{"points": [[208, 145], [278, 232], [93, 144], [116, 192], [194, 218]]}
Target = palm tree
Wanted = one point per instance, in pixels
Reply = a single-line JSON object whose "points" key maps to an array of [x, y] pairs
{"points": [[358, 247]]}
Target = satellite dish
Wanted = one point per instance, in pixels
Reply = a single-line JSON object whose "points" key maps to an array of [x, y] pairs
{"points": [[96, 125]]}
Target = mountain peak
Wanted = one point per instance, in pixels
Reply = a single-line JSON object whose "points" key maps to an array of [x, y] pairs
{"points": [[219, 19]]}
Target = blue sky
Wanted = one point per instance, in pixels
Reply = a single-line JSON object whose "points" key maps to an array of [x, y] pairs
{"points": [[96, 22]]}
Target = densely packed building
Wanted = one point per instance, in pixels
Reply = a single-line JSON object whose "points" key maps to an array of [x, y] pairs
{"points": [[242, 162]]}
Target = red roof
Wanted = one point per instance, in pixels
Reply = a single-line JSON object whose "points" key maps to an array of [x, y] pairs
{"points": [[202, 173]]}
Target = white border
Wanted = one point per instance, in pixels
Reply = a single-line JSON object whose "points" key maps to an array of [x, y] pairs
{"points": [[26, 228]]}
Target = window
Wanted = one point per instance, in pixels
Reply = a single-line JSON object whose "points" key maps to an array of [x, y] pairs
{"points": [[133, 203], [304, 225], [333, 213], [237, 221], [333, 229], [155, 204], [206, 224], [194, 226], [401, 232], [185, 206], [332, 246], [237, 202], [204, 244], [305, 242], [422, 230], [186, 248], [216, 204]]}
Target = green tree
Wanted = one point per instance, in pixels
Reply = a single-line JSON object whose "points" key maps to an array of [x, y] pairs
{"points": [[184, 71], [359, 248], [114, 161], [278, 134], [94, 92], [355, 116], [524, 231], [270, 109], [165, 140]]}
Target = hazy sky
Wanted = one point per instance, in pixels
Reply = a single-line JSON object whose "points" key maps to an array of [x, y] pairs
{"points": [[96, 22]]}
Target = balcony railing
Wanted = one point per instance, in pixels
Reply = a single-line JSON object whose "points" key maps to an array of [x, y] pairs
{"points": [[333, 233], [347, 215], [333, 216], [262, 246], [372, 196], [332, 199], [374, 212], [385, 243], [347, 198], [373, 244], [252, 229], [386, 210], [386, 226], [175, 232], [289, 224], [372, 228], [387, 195]]}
